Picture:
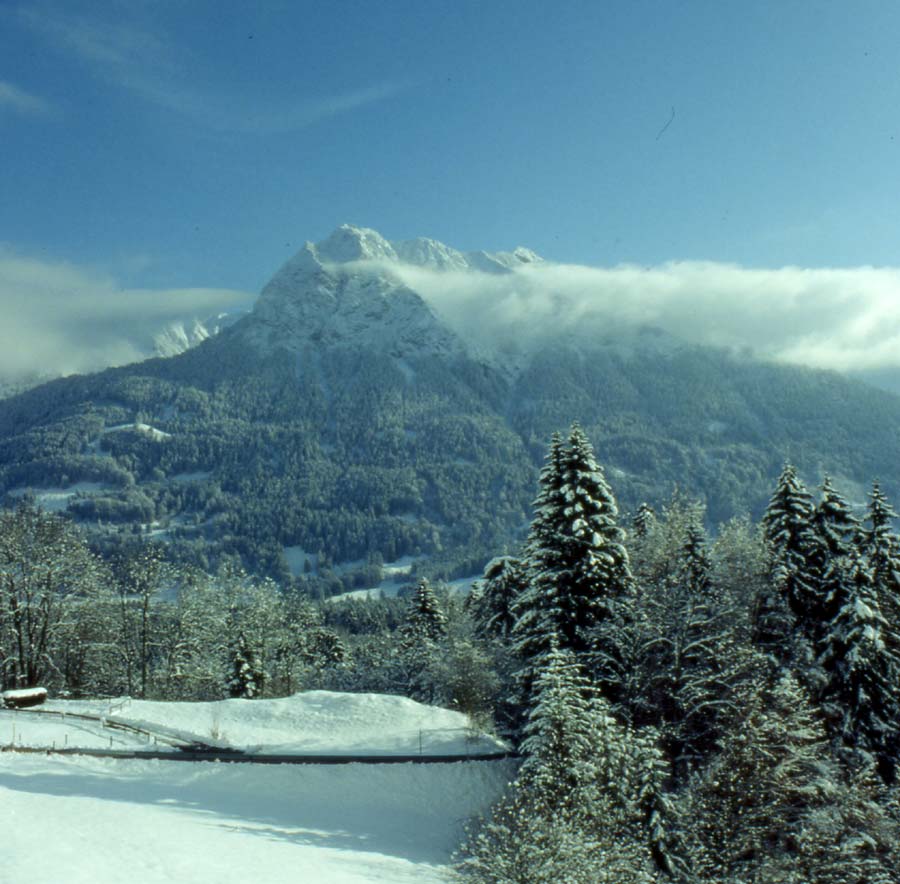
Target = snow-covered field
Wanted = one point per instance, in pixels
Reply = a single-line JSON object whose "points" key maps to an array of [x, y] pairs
{"points": [[77, 819]]}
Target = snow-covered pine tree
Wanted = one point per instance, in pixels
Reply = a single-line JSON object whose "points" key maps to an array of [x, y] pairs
{"points": [[750, 803], [692, 654], [572, 813], [644, 521], [493, 598], [648, 772], [695, 565], [860, 698], [882, 548], [536, 610], [596, 568], [837, 533], [558, 761], [834, 523], [793, 597], [577, 565], [421, 635], [246, 679], [516, 845], [425, 620]]}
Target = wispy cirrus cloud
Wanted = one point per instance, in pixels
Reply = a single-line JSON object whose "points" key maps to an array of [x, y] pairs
{"points": [[157, 70], [17, 100]]}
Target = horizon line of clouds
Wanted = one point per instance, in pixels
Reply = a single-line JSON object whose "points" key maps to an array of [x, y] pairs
{"points": [[846, 319], [60, 318], [16, 99], [137, 60]]}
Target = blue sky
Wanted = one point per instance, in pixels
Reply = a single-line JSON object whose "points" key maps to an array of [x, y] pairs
{"points": [[182, 143]]}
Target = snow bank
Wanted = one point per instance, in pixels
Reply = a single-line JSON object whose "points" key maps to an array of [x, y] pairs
{"points": [[313, 723]]}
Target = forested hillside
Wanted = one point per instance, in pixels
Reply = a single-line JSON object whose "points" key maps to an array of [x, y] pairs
{"points": [[344, 424], [343, 455]]}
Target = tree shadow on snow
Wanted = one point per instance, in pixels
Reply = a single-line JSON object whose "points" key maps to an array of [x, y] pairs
{"points": [[390, 810]]}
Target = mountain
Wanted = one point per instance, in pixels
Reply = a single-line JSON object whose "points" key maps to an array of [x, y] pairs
{"points": [[168, 340], [350, 421], [181, 335]]}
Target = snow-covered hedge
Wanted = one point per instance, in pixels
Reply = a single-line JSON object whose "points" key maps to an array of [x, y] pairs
{"points": [[24, 697]]}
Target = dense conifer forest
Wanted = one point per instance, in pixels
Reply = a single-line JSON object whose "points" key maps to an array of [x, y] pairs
{"points": [[688, 707]]}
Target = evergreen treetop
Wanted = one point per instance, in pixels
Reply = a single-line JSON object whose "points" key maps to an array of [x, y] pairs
{"points": [[425, 620], [794, 556]]}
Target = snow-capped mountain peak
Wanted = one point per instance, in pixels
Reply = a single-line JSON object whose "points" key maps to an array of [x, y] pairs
{"points": [[342, 293], [349, 291], [349, 243], [424, 252], [181, 335]]}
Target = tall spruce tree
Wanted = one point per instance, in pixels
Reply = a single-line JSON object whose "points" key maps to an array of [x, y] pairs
{"points": [[425, 621], [793, 597], [837, 533], [703, 659], [493, 598], [537, 610], [577, 564], [596, 569], [557, 747], [861, 697], [882, 549], [689, 657]]}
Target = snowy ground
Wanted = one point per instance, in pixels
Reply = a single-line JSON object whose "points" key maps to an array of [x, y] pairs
{"points": [[309, 723], [55, 500], [75, 819]]}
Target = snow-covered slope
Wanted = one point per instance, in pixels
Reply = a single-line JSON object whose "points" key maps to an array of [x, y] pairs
{"points": [[99, 821], [76, 819]]}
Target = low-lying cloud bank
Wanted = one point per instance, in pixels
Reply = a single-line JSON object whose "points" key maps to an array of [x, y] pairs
{"points": [[844, 319], [58, 318]]}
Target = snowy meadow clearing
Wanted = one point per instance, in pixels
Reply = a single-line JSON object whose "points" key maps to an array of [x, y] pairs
{"points": [[82, 819]]}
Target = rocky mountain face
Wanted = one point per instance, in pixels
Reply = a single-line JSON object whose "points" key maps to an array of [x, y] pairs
{"points": [[345, 422], [179, 336], [341, 294]]}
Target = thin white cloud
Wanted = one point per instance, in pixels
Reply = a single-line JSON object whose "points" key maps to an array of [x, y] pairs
{"points": [[12, 98], [844, 319], [59, 318], [160, 72], [287, 118]]}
